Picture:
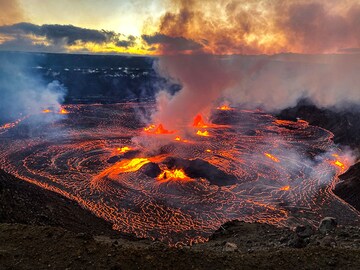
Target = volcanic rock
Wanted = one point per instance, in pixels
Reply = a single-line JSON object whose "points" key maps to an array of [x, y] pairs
{"points": [[328, 241], [298, 242], [327, 224], [304, 231], [348, 188], [150, 169], [230, 247], [199, 168]]}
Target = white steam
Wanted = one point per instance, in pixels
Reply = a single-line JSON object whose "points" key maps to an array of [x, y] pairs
{"points": [[271, 83], [23, 92]]}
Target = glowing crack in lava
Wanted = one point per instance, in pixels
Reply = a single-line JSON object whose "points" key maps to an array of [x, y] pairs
{"points": [[255, 169], [275, 159]]}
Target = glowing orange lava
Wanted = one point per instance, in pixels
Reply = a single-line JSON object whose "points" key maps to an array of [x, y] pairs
{"points": [[177, 174], [285, 188], [275, 159], [339, 163], [199, 122], [46, 111], [208, 150], [224, 108], [149, 128], [152, 129], [203, 133], [123, 149], [8, 125], [63, 111], [131, 165]]}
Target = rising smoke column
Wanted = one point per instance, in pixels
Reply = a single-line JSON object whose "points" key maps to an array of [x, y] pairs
{"points": [[23, 92], [202, 82], [271, 83]]}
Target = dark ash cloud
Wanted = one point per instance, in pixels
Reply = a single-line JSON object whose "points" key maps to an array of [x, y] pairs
{"points": [[56, 38], [172, 44], [130, 41], [56, 32]]}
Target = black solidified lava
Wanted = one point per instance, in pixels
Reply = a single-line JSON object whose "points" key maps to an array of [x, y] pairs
{"points": [[127, 155], [199, 168], [150, 169]]}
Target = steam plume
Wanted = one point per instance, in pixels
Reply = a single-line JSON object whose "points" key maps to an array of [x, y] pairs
{"points": [[23, 92], [270, 83]]}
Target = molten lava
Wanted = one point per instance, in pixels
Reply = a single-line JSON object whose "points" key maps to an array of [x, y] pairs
{"points": [[123, 149], [177, 174], [46, 111], [339, 163], [152, 129], [203, 133], [132, 165], [285, 188], [141, 196], [199, 122], [179, 139], [275, 159], [225, 108], [63, 111]]}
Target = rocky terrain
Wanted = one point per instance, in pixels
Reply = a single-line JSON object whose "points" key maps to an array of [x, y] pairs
{"points": [[41, 229]]}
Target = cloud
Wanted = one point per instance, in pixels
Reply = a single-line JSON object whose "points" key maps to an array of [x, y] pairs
{"points": [[59, 38], [71, 34], [129, 42], [10, 12], [314, 28], [264, 27], [171, 44]]}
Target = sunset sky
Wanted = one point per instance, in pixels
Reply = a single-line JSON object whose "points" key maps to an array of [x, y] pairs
{"points": [[181, 27]]}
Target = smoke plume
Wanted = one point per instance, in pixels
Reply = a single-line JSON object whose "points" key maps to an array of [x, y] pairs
{"points": [[261, 26], [23, 92], [271, 83]]}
